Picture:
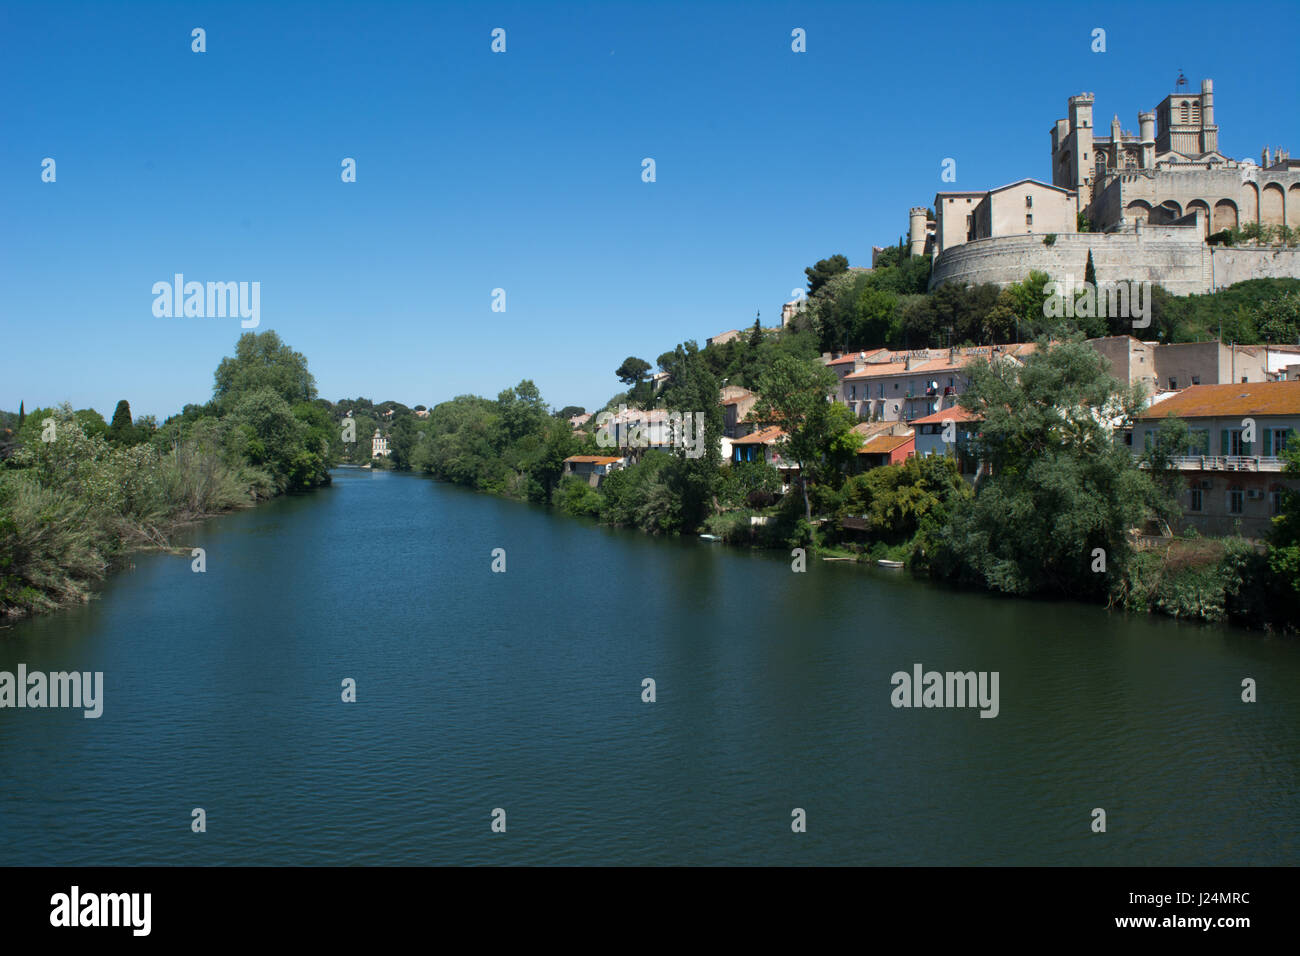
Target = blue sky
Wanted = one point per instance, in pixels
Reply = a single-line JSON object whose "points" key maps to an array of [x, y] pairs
{"points": [[521, 170]]}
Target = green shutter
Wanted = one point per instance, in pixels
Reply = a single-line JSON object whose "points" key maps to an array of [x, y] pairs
{"points": [[1268, 442], [1225, 448]]}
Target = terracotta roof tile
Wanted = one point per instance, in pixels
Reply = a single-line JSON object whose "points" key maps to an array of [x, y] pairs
{"points": [[1230, 401], [956, 414], [766, 436], [884, 444]]}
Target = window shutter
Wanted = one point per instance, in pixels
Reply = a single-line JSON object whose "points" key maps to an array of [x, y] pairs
{"points": [[1225, 448], [1268, 442]]}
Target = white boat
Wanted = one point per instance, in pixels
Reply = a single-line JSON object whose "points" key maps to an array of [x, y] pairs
{"points": [[882, 562], [711, 537]]}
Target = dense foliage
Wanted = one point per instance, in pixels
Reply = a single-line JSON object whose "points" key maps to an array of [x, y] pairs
{"points": [[76, 493]]}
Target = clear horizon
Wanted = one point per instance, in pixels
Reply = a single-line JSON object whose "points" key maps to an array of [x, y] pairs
{"points": [[520, 171]]}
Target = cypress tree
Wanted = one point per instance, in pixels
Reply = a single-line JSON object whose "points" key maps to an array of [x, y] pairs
{"points": [[120, 428], [22, 414]]}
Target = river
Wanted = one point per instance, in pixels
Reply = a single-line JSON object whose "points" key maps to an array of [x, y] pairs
{"points": [[478, 690]]}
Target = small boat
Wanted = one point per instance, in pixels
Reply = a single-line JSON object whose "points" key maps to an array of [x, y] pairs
{"points": [[711, 537], [889, 564]]}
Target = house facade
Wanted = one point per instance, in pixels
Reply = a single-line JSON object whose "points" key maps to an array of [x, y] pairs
{"points": [[592, 468], [1232, 462], [903, 386], [886, 449], [950, 432]]}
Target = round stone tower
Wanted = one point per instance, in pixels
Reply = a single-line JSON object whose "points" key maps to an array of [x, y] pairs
{"points": [[1147, 125], [916, 230]]}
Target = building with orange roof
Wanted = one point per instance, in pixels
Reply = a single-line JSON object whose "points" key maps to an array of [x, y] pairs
{"points": [[950, 432], [765, 445], [903, 386], [1232, 459], [886, 449], [592, 468]]}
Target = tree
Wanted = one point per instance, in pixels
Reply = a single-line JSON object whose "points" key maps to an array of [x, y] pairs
{"points": [[120, 430], [570, 411], [22, 414], [1062, 492], [795, 397], [897, 500], [263, 361], [1278, 319], [632, 370], [691, 389], [1284, 540], [824, 271]]}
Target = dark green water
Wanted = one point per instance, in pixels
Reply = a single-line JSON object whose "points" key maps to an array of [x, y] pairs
{"points": [[522, 691]]}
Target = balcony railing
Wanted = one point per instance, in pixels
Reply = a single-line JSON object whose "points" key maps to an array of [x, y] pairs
{"points": [[1228, 463]]}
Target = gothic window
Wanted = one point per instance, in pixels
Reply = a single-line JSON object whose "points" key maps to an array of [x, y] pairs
{"points": [[1182, 112]]}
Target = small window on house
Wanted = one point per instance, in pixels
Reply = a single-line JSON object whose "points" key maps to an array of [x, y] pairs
{"points": [[1029, 220], [1197, 500], [1029, 202], [1196, 380], [1275, 502], [1244, 379], [1173, 382], [1236, 500]]}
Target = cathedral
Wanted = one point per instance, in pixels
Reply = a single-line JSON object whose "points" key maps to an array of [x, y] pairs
{"points": [[1171, 169], [1170, 173]]}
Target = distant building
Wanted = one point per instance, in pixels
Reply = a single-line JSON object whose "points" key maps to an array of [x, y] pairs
{"points": [[1178, 365], [886, 449], [950, 432], [378, 446], [722, 338], [592, 468], [900, 386]]}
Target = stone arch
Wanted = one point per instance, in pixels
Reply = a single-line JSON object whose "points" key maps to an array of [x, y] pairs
{"points": [[1293, 206], [1225, 215], [1201, 206], [1271, 202], [1249, 203], [1169, 210], [1138, 209]]}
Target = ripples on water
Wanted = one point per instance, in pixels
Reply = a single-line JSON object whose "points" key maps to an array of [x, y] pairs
{"points": [[523, 691]]}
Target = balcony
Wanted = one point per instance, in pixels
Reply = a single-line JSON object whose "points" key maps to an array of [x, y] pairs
{"points": [[1227, 463]]}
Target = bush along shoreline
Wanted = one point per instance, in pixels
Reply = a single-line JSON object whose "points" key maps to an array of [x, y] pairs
{"points": [[77, 494]]}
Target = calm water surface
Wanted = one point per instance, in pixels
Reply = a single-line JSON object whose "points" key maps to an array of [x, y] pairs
{"points": [[523, 691]]}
